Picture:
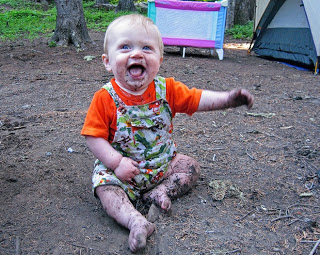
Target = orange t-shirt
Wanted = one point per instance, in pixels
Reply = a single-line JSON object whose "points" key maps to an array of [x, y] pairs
{"points": [[101, 119]]}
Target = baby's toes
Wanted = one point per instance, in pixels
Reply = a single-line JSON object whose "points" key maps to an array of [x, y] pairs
{"points": [[165, 204]]}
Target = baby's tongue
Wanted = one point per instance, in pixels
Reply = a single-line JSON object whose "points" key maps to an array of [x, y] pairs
{"points": [[136, 70]]}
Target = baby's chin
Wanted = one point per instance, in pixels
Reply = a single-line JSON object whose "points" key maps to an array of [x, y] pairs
{"points": [[136, 85], [138, 88]]}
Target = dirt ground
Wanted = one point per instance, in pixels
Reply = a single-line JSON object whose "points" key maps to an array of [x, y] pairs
{"points": [[267, 159]]}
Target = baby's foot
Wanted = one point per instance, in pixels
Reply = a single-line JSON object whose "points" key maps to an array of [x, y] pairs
{"points": [[160, 198], [139, 232]]}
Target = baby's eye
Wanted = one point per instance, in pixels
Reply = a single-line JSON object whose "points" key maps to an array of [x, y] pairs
{"points": [[125, 47], [146, 48]]}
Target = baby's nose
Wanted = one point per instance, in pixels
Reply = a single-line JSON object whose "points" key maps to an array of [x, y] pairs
{"points": [[136, 53]]}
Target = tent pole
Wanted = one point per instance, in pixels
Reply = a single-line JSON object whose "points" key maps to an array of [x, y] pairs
{"points": [[316, 67], [250, 46], [251, 43]]}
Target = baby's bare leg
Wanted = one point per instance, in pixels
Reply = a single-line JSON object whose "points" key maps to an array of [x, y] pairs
{"points": [[182, 174], [118, 206]]}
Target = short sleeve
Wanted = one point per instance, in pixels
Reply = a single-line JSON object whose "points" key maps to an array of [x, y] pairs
{"points": [[100, 116], [181, 98]]}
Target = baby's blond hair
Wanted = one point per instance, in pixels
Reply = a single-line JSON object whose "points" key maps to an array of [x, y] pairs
{"points": [[133, 19]]}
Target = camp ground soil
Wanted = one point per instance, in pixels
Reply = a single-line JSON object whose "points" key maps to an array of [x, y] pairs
{"points": [[259, 188]]}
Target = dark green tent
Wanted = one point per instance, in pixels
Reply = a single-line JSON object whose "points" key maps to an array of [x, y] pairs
{"points": [[289, 31]]}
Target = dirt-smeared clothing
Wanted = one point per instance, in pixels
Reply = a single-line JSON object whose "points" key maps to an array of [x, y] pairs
{"points": [[144, 135]]}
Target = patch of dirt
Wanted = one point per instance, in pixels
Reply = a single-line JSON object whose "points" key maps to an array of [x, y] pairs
{"points": [[270, 154]]}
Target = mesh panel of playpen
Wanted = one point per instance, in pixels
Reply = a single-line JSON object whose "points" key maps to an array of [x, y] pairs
{"points": [[186, 24]]}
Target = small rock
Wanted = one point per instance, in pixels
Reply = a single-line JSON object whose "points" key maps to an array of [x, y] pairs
{"points": [[153, 213]]}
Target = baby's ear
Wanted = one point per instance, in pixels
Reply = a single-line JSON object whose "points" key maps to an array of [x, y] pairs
{"points": [[105, 60]]}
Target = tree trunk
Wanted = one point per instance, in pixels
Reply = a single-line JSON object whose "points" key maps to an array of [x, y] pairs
{"points": [[230, 14], [244, 11], [126, 5], [71, 26], [240, 12]]}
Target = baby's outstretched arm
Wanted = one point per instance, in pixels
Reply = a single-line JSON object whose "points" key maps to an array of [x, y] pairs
{"points": [[215, 100], [124, 168]]}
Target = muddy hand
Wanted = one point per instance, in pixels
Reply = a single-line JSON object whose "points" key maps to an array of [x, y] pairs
{"points": [[238, 97], [127, 169]]}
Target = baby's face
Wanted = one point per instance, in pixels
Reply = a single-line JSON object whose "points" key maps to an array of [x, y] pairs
{"points": [[134, 56]]}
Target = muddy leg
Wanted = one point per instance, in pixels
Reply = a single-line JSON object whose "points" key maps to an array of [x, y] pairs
{"points": [[118, 206], [182, 174]]}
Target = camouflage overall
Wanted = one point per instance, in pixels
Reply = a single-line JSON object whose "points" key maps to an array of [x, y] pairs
{"points": [[144, 135]]}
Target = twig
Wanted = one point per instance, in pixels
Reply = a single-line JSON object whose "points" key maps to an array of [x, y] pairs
{"points": [[84, 247], [282, 217], [309, 163], [250, 156], [233, 251], [314, 247], [295, 220], [243, 217], [288, 215], [218, 148], [37, 51], [303, 219], [20, 127], [202, 166], [17, 245], [305, 205]]}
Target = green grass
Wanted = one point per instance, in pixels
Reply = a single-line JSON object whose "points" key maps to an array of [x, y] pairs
{"points": [[21, 4], [18, 19], [241, 31], [19, 23], [97, 18]]}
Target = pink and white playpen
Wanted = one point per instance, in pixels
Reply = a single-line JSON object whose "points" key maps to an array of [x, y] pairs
{"points": [[190, 23]]}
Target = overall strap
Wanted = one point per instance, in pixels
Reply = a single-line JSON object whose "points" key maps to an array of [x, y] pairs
{"points": [[117, 100], [160, 86]]}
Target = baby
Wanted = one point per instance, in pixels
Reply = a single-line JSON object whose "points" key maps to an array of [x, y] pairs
{"points": [[128, 127]]}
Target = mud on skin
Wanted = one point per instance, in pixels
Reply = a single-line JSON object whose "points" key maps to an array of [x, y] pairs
{"points": [[182, 176]]}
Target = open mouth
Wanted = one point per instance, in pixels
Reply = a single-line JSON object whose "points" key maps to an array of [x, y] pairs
{"points": [[136, 70]]}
